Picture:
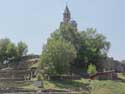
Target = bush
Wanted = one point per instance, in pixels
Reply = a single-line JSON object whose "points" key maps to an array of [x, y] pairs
{"points": [[39, 77], [92, 69]]}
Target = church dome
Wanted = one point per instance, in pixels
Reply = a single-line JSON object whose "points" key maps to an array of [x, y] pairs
{"points": [[74, 23]]}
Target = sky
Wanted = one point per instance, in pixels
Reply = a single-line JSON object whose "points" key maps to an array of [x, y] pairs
{"points": [[32, 21]]}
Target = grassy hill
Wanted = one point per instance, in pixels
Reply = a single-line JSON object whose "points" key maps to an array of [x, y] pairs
{"points": [[96, 86], [83, 85]]}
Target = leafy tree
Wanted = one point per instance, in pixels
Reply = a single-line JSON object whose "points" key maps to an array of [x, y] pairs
{"points": [[10, 53], [22, 49], [4, 44], [57, 56], [94, 47], [69, 33], [90, 46], [95, 42]]}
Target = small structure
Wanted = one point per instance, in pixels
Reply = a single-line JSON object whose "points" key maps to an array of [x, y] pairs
{"points": [[106, 75]]}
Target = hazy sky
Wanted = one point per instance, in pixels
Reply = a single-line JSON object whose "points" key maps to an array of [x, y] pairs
{"points": [[32, 21]]}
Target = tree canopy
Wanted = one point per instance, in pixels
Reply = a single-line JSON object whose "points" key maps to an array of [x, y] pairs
{"points": [[94, 47], [10, 52], [57, 56], [90, 46]]}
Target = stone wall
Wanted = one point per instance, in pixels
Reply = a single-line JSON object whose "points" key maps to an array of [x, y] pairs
{"points": [[14, 74]]}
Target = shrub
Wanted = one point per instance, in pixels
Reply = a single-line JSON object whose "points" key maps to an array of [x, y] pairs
{"points": [[39, 77], [91, 69]]}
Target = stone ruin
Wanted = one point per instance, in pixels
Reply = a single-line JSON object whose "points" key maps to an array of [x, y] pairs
{"points": [[10, 74]]}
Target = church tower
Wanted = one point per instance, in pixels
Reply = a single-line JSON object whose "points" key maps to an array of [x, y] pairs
{"points": [[67, 18], [66, 15]]}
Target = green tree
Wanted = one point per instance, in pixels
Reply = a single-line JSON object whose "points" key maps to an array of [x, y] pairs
{"points": [[90, 46], [57, 56], [10, 53], [22, 49], [69, 33], [3, 49], [94, 48]]}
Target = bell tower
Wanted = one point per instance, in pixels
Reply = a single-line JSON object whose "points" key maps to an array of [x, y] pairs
{"points": [[67, 18], [66, 15]]}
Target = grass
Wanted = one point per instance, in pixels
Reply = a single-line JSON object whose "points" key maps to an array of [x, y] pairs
{"points": [[107, 87], [17, 84], [97, 87], [62, 84]]}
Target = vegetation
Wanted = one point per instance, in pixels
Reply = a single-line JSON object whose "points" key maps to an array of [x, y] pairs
{"points": [[11, 53], [17, 84], [93, 49], [57, 56], [84, 85], [67, 51], [39, 77], [22, 49], [95, 86], [92, 69], [83, 47]]}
